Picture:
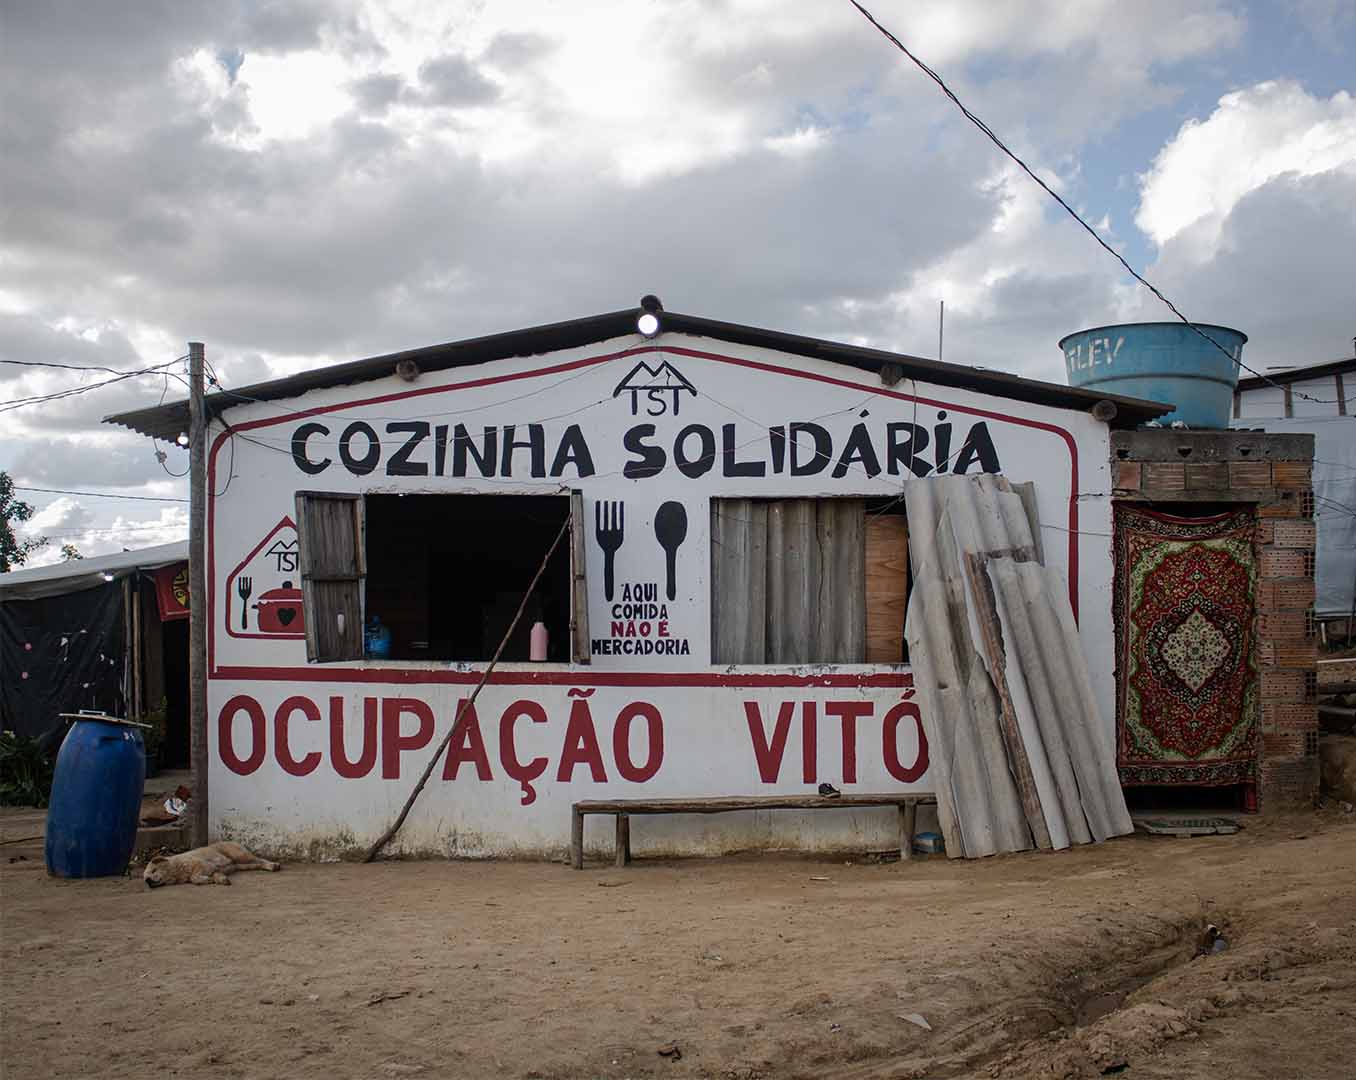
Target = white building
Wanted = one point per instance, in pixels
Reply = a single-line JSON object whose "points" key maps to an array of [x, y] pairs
{"points": [[1315, 399], [424, 487]]}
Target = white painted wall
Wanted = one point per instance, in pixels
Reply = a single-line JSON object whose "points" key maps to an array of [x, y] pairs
{"points": [[1265, 401], [713, 720], [1309, 398], [1314, 405]]}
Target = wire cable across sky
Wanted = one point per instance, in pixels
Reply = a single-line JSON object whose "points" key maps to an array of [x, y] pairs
{"points": [[71, 391], [989, 133], [100, 494]]}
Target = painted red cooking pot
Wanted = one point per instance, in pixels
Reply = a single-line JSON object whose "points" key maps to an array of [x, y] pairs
{"points": [[280, 611]]}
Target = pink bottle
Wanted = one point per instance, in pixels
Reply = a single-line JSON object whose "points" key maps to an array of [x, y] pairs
{"points": [[538, 642]]}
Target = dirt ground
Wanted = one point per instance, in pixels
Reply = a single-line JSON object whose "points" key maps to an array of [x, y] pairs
{"points": [[1077, 964]]}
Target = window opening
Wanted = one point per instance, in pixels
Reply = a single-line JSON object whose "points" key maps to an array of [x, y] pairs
{"points": [[445, 574], [808, 581]]}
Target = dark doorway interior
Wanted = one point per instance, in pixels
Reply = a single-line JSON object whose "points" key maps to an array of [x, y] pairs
{"points": [[174, 751]]}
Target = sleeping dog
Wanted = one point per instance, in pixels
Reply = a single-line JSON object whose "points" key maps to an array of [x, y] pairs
{"points": [[208, 865]]}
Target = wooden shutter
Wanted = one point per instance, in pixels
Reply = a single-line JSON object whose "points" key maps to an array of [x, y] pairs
{"points": [[887, 587], [788, 581], [581, 650], [330, 534], [792, 583], [738, 581], [840, 607]]}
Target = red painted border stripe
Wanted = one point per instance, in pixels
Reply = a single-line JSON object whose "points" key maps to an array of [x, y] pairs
{"points": [[586, 362], [576, 677]]}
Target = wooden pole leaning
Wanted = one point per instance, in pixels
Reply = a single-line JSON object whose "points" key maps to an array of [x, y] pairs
{"points": [[197, 591], [389, 834]]}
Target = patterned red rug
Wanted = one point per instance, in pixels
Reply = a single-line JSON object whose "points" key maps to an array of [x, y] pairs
{"points": [[1186, 685]]}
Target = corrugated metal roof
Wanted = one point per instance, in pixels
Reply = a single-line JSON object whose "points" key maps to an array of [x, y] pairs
{"points": [[1317, 370], [1020, 754], [77, 574], [167, 421]]}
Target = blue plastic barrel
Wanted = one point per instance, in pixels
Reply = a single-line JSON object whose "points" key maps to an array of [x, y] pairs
{"points": [[1167, 362], [96, 799]]}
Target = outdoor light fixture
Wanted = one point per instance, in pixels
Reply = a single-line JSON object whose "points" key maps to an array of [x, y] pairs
{"points": [[107, 576], [648, 322], [182, 440]]}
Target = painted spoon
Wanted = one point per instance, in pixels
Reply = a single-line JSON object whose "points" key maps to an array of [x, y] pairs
{"points": [[670, 529]]}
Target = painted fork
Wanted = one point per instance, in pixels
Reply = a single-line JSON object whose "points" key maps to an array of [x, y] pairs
{"points": [[609, 527], [243, 587]]}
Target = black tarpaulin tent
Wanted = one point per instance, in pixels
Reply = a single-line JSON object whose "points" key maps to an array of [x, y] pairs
{"points": [[88, 634]]}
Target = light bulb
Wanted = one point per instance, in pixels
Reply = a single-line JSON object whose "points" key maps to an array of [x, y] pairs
{"points": [[648, 324]]}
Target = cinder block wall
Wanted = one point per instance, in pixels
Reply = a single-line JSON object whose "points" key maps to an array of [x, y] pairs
{"points": [[1273, 473]]}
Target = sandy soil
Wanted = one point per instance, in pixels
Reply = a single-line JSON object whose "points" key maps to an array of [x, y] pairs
{"points": [[1070, 965]]}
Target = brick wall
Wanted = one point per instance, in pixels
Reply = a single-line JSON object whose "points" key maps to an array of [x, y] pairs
{"points": [[1271, 473]]}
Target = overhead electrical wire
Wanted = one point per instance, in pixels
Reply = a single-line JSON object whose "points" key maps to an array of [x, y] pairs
{"points": [[1334, 506], [283, 446], [118, 376], [988, 131], [230, 469], [98, 494], [593, 404], [71, 367], [112, 530], [161, 455], [299, 414], [71, 391]]}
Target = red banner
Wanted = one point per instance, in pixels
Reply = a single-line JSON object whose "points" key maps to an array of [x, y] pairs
{"points": [[171, 591]]}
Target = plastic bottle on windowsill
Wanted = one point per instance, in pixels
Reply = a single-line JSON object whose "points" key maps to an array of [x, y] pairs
{"points": [[538, 643]]}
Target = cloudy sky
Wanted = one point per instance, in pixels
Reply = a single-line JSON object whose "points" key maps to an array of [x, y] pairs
{"points": [[298, 182]]}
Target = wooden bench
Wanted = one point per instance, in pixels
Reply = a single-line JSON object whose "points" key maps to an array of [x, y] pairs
{"points": [[622, 809]]}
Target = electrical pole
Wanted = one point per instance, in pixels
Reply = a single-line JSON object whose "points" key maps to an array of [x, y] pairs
{"points": [[197, 591]]}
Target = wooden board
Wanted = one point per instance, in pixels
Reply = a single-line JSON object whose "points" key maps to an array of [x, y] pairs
{"points": [[840, 613], [793, 587], [738, 581], [726, 804], [581, 651], [330, 535], [907, 805], [887, 587]]}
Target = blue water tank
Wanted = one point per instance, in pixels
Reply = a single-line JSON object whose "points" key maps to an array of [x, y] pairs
{"points": [[96, 799], [1167, 362]]}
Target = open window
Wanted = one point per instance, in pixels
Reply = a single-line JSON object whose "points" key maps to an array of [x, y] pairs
{"points": [[440, 577], [808, 581]]}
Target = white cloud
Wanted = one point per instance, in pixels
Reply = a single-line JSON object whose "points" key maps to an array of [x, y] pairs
{"points": [[304, 183], [1255, 135], [1014, 289], [799, 143], [67, 521], [1254, 209], [60, 515], [1282, 270]]}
